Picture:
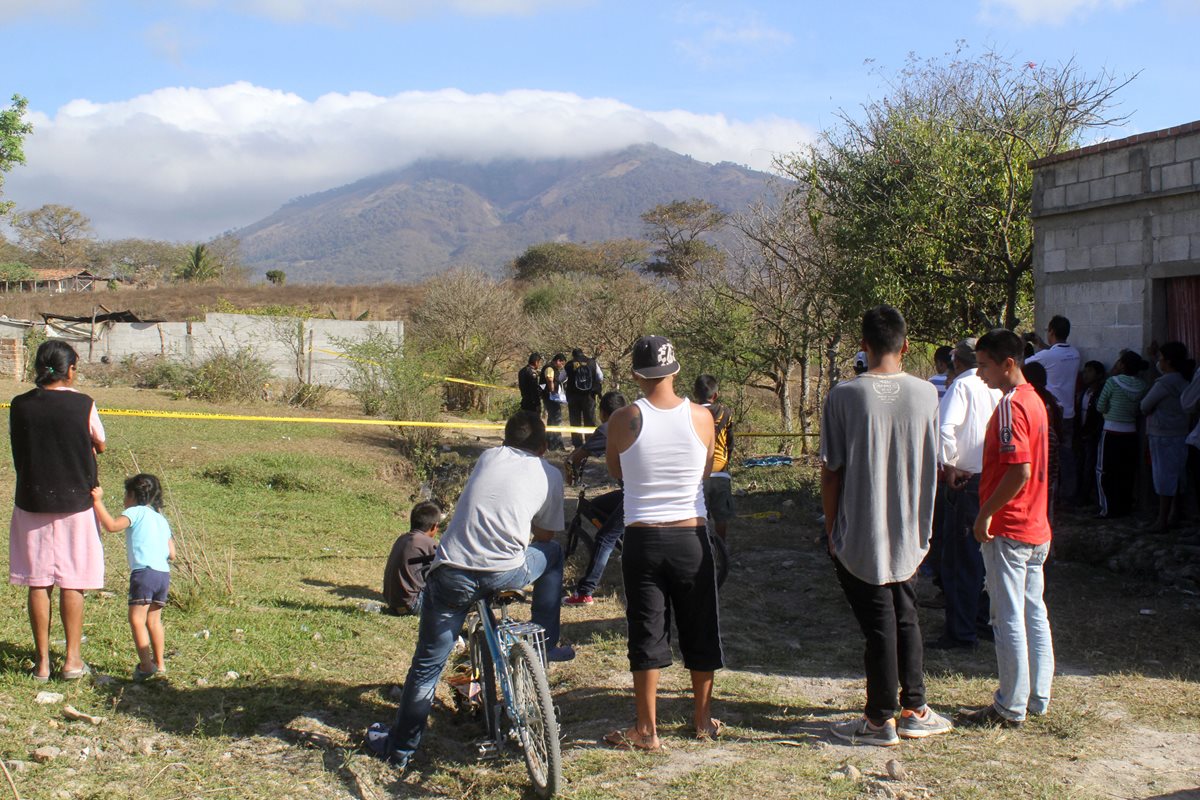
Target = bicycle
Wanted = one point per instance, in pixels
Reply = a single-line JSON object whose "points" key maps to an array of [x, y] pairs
{"points": [[507, 659]]}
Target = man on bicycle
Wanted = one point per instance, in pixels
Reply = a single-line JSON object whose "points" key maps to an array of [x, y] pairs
{"points": [[500, 537]]}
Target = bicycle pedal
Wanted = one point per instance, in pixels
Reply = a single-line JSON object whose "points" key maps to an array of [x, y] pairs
{"points": [[487, 750]]}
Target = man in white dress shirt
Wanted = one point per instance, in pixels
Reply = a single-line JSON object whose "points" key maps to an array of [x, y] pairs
{"points": [[1062, 363], [965, 411]]}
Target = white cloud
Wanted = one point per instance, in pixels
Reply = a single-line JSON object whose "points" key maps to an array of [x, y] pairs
{"points": [[189, 163], [717, 39], [1047, 11]]}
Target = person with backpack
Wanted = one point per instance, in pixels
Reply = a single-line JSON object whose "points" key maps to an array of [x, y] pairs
{"points": [[583, 386]]}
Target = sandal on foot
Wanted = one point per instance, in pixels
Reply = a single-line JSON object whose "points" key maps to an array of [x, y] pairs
{"points": [[76, 674], [631, 740], [39, 678], [713, 733]]}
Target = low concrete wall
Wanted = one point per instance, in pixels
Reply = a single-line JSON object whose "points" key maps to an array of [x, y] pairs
{"points": [[274, 339]]}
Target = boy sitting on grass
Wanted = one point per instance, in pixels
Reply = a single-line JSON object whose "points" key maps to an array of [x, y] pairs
{"points": [[408, 563], [149, 547]]}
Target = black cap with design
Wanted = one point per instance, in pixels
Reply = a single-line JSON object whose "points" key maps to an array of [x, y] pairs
{"points": [[654, 357]]}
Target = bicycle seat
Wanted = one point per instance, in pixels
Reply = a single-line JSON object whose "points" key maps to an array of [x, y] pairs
{"points": [[506, 596]]}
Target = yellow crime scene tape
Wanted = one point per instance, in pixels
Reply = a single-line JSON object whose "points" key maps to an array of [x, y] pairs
{"points": [[204, 416]]}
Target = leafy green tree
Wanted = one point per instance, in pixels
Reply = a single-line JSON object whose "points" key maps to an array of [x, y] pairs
{"points": [[200, 265], [927, 195], [675, 230], [57, 236], [277, 276], [13, 130], [606, 258], [16, 271]]}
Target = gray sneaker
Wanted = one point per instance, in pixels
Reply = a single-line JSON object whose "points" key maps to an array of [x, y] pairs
{"points": [[913, 726], [861, 731]]}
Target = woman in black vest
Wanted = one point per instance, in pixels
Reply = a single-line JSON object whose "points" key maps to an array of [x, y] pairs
{"points": [[53, 539]]}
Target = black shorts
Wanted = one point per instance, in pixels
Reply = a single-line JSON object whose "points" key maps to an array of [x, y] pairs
{"points": [[671, 570], [148, 587]]}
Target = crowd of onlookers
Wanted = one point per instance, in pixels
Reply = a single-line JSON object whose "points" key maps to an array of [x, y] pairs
{"points": [[1098, 416]]}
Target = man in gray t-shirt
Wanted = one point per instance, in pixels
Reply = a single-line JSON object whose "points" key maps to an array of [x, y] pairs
{"points": [[501, 536], [879, 444]]}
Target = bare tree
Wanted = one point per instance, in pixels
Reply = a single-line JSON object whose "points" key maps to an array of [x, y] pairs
{"points": [[57, 235]]}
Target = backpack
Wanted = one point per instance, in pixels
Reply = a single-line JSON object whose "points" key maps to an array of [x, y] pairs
{"points": [[581, 375]]}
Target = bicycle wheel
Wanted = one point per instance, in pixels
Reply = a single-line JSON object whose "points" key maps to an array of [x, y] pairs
{"points": [[720, 552], [484, 672], [537, 725]]}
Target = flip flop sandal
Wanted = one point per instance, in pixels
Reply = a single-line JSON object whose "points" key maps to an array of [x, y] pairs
{"points": [[76, 674], [712, 734], [39, 678], [621, 740]]}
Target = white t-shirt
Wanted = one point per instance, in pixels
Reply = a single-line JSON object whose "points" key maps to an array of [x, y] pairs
{"points": [[1062, 367], [508, 491]]}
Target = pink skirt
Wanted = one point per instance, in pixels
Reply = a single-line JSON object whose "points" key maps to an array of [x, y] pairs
{"points": [[61, 550]]}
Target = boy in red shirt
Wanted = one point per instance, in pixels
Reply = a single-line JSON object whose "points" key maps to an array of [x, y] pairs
{"points": [[1015, 536]]}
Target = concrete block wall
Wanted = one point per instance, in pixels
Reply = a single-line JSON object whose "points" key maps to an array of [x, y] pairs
{"points": [[1111, 223], [267, 336]]}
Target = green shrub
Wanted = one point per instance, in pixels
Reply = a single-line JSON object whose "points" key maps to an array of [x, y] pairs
{"points": [[157, 372], [305, 395], [33, 339], [392, 382], [230, 376]]}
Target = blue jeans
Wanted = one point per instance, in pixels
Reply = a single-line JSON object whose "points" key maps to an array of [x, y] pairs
{"points": [[606, 540], [962, 564], [1024, 650], [449, 594]]}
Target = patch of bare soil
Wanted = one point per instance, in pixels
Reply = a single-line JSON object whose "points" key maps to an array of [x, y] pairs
{"points": [[1145, 763]]}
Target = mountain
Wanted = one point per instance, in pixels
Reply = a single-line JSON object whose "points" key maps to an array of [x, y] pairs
{"points": [[407, 224]]}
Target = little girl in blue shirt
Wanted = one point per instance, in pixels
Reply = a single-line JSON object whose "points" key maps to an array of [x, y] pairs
{"points": [[149, 547]]}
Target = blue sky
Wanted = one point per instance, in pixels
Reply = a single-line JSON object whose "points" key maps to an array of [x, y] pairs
{"points": [[183, 118]]}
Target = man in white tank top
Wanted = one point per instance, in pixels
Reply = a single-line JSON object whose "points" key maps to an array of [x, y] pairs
{"points": [[662, 447]]}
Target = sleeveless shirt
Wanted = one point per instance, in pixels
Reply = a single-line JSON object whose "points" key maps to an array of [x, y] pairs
{"points": [[664, 468], [52, 451]]}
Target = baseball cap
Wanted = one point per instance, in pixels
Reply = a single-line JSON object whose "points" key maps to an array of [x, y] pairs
{"points": [[654, 357]]}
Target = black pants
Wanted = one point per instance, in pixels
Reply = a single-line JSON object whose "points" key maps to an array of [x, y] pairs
{"points": [[1116, 472], [582, 410], [962, 564], [665, 570], [1085, 486], [554, 441], [887, 616]]}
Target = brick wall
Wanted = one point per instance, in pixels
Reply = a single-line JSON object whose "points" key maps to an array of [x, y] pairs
{"points": [[1112, 223], [12, 358]]}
